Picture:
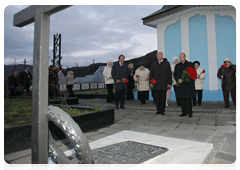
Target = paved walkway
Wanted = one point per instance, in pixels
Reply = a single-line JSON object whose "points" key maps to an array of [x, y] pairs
{"points": [[210, 123]]}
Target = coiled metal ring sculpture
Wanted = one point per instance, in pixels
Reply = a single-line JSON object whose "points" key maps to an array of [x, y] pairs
{"points": [[73, 133]]}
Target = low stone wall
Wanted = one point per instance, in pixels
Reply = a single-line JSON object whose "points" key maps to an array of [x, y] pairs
{"points": [[18, 138]]}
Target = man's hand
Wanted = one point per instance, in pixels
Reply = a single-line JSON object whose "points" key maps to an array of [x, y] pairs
{"points": [[146, 79], [221, 76], [151, 85], [198, 77], [118, 81], [179, 81], [110, 77], [28, 77]]}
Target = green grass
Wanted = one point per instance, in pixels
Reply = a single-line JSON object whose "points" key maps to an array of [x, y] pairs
{"points": [[18, 111]]}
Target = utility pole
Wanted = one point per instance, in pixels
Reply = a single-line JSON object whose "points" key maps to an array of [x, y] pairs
{"points": [[25, 62]]}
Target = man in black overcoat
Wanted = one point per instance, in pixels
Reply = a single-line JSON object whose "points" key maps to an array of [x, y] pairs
{"points": [[160, 71], [120, 73], [24, 79], [53, 82], [185, 91]]}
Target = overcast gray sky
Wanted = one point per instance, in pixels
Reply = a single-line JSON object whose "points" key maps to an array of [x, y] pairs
{"points": [[88, 32]]}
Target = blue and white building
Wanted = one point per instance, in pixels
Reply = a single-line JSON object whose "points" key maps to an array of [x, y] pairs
{"points": [[206, 33]]}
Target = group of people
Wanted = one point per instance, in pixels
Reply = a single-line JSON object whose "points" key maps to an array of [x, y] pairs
{"points": [[22, 81], [164, 75]]}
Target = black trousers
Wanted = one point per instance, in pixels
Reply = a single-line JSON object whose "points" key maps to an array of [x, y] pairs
{"points": [[70, 92], [110, 95], [186, 105], [120, 94], [177, 100], [198, 93], [160, 100]]}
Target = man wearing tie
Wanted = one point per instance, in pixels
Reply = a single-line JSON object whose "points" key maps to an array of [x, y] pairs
{"points": [[160, 71], [120, 73]]}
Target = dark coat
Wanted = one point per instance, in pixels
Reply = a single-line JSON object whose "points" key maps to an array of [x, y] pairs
{"points": [[24, 80], [185, 90], [130, 85], [162, 74], [229, 77], [118, 73], [53, 77], [12, 82]]}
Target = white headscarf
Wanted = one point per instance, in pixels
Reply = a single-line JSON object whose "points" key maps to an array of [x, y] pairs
{"points": [[109, 62], [174, 58]]}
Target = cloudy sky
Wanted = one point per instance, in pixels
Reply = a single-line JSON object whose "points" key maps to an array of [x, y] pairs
{"points": [[88, 32]]}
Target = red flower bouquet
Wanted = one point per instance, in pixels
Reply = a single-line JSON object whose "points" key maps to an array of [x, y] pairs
{"points": [[223, 66], [202, 72], [188, 75], [153, 81], [126, 81], [137, 76]]}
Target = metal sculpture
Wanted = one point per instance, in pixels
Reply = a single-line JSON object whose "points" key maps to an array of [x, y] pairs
{"points": [[73, 133]]}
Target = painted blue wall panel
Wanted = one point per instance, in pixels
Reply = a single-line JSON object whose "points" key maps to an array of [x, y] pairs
{"points": [[173, 45], [226, 40], [198, 44]]}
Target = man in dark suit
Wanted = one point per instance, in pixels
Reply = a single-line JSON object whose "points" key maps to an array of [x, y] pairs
{"points": [[24, 79], [185, 91], [119, 74], [160, 71]]}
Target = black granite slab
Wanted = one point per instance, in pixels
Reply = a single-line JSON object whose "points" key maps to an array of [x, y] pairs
{"points": [[128, 152]]}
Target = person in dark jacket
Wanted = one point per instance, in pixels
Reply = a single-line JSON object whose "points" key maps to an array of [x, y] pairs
{"points": [[185, 91], [13, 82], [130, 85], [160, 71], [53, 82], [228, 81], [24, 79], [120, 73]]}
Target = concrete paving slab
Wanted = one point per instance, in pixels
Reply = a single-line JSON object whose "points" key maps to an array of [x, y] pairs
{"points": [[228, 148], [226, 157], [198, 137]]}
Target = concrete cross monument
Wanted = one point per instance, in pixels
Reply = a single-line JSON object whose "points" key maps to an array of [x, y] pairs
{"points": [[40, 15]]}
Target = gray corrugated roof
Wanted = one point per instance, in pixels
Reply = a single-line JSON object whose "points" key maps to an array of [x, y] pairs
{"points": [[163, 9]]}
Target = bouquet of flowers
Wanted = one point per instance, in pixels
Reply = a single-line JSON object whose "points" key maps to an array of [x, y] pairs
{"points": [[223, 66], [188, 75], [137, 77], [201, 73], [153, 81], [125, 81]]}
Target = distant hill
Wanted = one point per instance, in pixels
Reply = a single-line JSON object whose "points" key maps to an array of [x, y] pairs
{"points": [[87, 70]]}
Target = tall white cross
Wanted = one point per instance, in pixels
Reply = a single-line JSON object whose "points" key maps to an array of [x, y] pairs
{"points": [[40, 15]]}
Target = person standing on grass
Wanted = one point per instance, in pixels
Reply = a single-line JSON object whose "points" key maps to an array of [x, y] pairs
{"points": [[119, 73], [24, 79], [185, 91], [69, 82], [13, 82], [160, 71], [228, 76], [109, 81]]}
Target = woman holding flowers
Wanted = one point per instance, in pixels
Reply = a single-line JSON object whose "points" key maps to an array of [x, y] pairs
{"points": [[227, 73], [130, 85], [199, 84], [184, 74], [142, 78]]}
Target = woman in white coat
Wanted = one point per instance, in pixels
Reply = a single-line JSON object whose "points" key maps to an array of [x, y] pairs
{"points": [[142, 78], [109, 81], [199, 83], [175, 61]]}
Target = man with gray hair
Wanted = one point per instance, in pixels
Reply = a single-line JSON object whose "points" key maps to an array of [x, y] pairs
{"points": [[160, 71]]}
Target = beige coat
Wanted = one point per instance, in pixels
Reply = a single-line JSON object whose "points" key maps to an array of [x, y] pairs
{"points": [[69, 77], [107, 73], [199, 83], [143, 85]]}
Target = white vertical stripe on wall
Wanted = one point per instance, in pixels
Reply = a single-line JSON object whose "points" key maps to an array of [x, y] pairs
{"points": [[212, 50], [185, 36], [161, 38]]}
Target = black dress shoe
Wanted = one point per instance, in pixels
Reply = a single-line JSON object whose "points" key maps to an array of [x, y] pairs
{"points": [[157, 113], [190, 115], [226, 107], [183, 114], [162, 113], [123, 107], [116, 107]]}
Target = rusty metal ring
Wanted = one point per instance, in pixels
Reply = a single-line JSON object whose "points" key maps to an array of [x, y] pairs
{"points": [[73, 133]]}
